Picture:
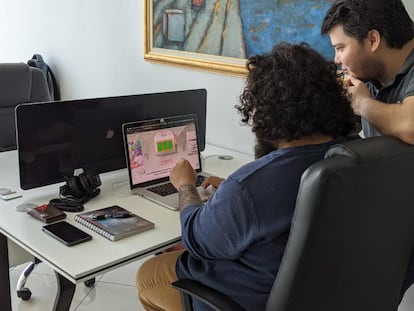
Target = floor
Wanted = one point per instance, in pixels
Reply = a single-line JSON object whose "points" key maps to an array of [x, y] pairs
{"points": [[407, 304], [114, 290]]}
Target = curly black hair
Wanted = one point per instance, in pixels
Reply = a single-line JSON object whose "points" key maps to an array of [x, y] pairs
{"points": [[294, 92]]}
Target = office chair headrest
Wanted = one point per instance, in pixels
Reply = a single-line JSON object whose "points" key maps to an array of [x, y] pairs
{"points": [[360, 150], [16, 83]]}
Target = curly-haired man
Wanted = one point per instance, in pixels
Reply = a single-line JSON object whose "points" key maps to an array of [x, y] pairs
{"points": [[235, 241]]}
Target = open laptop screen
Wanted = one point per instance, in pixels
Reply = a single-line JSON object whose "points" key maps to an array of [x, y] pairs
{"points": [[153, 147]]}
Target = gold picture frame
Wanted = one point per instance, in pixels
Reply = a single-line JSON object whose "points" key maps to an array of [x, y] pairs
{"points": [[221, 35], [153, 26]]}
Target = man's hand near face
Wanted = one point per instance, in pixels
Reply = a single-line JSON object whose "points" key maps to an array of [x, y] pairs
{"points": [[360, 95]]}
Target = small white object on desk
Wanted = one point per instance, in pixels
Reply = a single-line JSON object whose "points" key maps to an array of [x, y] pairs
{"points": [[219, 156], [4, 191], [10, 195], [225, 157], [25, 207]]}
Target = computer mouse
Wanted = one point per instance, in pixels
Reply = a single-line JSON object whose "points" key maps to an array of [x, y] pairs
{"points": [[25, 207], [225, 157], [5, 191]]}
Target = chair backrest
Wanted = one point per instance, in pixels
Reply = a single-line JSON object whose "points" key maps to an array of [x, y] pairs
{"points": [[352, 232], [19, 83]]}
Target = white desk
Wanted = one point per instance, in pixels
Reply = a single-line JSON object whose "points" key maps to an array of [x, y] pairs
{"points": [[87, 260]]}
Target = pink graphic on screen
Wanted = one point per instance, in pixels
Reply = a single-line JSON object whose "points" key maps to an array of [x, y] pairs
{"points": [[154, 153]]}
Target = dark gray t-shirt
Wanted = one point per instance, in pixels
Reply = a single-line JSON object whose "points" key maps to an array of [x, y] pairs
{"points": [[394, 92]]}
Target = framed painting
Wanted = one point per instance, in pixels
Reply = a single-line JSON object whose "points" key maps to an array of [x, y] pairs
{"points": [[220, 35]]}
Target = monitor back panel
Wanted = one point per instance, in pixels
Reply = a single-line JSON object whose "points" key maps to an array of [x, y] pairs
{"points": [[55, 138]]}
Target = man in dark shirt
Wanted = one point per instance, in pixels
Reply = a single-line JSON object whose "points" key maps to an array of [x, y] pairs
{"points": [[234, 242], [374, 44]]}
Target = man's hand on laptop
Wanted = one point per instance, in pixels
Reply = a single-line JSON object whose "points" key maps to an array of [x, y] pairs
{"points": [[183, 177], [183, 174], [213, 181]]}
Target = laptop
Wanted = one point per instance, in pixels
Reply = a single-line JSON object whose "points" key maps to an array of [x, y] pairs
{"points": [[153, 147]]}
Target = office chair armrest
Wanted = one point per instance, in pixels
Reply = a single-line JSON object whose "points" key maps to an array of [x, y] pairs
{"points": [[208, 295]]}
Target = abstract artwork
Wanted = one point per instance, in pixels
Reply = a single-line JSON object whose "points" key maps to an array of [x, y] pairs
{"points": [[220, 35]]}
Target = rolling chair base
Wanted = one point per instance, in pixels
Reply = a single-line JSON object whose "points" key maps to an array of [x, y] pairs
{"points": [[25, 293]]}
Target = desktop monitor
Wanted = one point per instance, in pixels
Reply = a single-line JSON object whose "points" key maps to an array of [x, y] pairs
{"points": [[56, 138]]}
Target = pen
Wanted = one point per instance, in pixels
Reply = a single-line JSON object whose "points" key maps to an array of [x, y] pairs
{"points": [[106, 216]]}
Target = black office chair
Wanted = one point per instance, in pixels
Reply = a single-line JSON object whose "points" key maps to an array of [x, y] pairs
{"points": [[19, 83], [352, 233]]}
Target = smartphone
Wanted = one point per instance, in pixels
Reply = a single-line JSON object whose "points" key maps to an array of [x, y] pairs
{"points": [[66, 233]]}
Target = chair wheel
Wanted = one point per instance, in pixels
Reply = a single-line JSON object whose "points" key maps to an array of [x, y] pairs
{"points": [[24, 293], [90, 282]]}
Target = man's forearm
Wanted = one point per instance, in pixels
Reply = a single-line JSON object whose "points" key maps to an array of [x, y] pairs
{"points": [[188, 195], [378, 114], [392, 119]]}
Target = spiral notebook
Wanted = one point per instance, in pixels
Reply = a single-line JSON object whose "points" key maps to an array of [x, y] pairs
{"points": [[114, 222]]}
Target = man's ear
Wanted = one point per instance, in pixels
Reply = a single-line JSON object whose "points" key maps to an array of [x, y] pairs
{"points": [[373, 39]]}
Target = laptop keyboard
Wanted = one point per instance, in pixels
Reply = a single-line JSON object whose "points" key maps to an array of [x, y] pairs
{"points": [[168, 188]]}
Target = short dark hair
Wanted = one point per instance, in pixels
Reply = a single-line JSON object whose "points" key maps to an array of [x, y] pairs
{"points": [[294, 92], [358, 17]]}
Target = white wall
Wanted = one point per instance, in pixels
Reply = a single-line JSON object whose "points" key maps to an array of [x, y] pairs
{"points": [[96, 49], [409, 4]]}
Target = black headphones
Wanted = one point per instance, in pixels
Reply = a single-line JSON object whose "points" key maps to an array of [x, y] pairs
{"points": [[77, 191]]}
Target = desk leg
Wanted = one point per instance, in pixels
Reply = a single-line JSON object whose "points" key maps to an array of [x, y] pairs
{"points": [[65, 291], [5, 298]]}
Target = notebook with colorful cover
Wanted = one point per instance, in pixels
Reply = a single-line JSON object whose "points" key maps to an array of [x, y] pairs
{"points": [[114, 222]]}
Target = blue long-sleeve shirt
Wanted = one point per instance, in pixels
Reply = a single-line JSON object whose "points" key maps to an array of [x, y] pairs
{"points": [[235, 241]]}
